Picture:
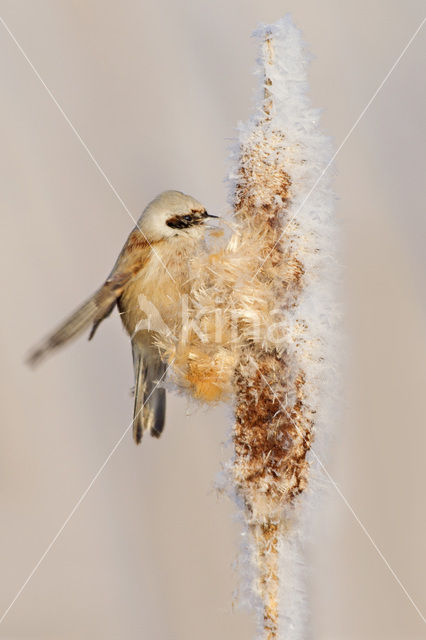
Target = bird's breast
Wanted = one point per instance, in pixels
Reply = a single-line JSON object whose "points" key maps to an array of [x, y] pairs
{"points": [[152, 300]]}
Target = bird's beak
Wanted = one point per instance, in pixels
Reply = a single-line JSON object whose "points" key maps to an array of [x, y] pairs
{"points": [[209, 224]]}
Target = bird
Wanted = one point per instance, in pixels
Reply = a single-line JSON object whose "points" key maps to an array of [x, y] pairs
{"points": [[149, 278]]}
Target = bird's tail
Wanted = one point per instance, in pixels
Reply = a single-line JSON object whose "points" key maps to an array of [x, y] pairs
{"points": [[150, 398]]}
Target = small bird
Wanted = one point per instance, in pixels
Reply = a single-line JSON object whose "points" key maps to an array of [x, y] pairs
{"points": [[153, 267]]}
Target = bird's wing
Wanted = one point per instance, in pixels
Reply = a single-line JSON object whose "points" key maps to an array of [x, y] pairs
{"points": [[150, 398], [98, 307]]}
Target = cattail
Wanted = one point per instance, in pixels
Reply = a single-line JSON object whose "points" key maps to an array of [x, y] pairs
{"points": [[258, 324]]}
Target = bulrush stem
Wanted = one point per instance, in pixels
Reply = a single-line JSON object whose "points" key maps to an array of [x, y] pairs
{"points": [[266, 539], [271, 286], [270, 441]]}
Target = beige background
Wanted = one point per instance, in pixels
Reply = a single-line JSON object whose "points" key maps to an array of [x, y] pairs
{"points": [[155, 89]]}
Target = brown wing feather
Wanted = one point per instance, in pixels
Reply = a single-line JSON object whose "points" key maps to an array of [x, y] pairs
{"points": [[100, 305]]}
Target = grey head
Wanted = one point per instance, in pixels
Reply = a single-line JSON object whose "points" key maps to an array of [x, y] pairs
{"points": [[173, 213]]}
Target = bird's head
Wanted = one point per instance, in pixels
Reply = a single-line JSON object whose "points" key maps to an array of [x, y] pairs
{"points": [[173, 213]]}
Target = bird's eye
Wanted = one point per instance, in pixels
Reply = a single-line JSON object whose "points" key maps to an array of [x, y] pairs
{"points": [[189, 218]]}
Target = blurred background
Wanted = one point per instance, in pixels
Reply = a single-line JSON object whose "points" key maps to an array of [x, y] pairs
{"points": [[155, 89]]}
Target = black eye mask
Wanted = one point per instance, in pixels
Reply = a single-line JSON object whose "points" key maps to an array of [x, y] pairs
{"points": [[187, 220]]}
